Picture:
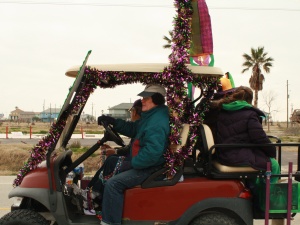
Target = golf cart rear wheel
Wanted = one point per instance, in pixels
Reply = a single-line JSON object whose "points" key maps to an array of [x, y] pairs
{"points": [[23, 217], [216, 218]]}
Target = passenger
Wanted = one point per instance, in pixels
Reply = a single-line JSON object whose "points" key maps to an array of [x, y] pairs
{"points": [[227, 82], [239, 122], [150, 142], [135, 114]]}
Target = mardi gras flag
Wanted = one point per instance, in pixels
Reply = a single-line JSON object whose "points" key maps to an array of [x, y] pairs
{"points": [[201, 51]]}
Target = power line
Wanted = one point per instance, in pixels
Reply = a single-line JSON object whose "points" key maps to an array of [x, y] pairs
{"points": [[83, 4], [140, 5], [254, 9]]}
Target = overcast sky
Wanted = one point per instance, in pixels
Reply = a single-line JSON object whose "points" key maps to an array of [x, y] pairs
{"points": [[40, 40]]}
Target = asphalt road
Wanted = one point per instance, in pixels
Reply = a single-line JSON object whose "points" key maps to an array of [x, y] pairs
{"points": [[5, 187], [33, 141]]}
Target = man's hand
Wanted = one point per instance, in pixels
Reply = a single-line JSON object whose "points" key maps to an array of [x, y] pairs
{"points": [[105, 120], [107, 150]]}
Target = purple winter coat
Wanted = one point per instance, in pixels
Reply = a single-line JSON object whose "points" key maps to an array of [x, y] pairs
{"points": [[243, 126]]}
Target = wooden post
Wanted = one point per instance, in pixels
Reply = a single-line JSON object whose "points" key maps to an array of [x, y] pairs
{"points": [[81, 129], [30, 131], [6, 132]]}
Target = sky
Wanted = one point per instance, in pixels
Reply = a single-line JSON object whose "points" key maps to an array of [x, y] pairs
{"points": [[41, 39]]}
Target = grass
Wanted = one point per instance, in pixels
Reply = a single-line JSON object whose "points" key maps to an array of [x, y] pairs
{"points": [[13, 157]]}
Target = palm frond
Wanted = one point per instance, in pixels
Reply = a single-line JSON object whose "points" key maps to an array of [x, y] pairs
{"points": [[167, 46], [246, 69], [168, 40], [256, 60]]}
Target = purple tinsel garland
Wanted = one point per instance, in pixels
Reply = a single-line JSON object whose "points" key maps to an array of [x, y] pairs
{"points": [[173, 77]]}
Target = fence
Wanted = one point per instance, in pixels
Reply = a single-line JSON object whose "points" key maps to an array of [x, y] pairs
{"points": [[18, 134]]}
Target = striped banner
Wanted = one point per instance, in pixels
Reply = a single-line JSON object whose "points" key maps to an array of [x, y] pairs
{"points": [[201, 51]]}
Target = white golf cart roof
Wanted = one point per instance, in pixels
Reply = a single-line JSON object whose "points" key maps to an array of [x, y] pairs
{"points": [[147, 68]]}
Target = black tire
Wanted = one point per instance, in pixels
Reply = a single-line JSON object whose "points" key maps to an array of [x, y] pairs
{"points": [[214, 218], [23, 217]]}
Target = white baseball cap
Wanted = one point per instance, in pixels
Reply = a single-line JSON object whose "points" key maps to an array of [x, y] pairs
{"points": [[151, 89]]}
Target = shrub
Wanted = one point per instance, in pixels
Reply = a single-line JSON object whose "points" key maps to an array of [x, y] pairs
{"points": [[43, 132], [75, 144], [293, 131]]}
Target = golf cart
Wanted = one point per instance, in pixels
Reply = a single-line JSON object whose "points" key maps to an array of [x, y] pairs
{"points": [[210, 193]]}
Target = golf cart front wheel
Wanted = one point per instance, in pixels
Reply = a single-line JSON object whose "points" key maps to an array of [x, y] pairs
{"points": [[23, 217]]}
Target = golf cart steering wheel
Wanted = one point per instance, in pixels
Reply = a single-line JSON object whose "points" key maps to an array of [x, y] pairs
{"points": [[111, 135]]}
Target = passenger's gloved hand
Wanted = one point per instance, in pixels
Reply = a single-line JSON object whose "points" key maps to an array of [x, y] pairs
{"points": [[106, 120]]}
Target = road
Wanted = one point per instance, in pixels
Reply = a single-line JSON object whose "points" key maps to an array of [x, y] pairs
{"points": [[88, 140], [5, 186]]}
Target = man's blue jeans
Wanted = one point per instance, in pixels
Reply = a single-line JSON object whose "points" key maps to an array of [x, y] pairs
{"points": [[113, 197]]}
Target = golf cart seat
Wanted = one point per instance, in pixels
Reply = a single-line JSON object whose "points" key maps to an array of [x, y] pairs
{"points": [[217, 170], [155, 180]]}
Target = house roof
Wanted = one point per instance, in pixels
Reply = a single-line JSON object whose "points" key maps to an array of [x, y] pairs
{"points": [[125, 106], [28, 113], [17, 111], [52, 110]]}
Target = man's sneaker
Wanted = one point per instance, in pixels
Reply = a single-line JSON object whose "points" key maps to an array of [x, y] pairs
{"points": [[86, 205], [90, 212], [86, 192], [76, 189]]}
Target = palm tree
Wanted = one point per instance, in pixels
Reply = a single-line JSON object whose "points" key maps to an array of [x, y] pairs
{"points": [[169, 40], [256, 60]]}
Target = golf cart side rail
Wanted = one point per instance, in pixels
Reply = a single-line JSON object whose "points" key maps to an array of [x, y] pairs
{"points": [[212, 148]]}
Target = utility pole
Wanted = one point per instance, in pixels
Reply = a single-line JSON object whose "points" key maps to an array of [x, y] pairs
{"points": [[287, 103], [92, 111], [292, 110], [50, 115]]}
